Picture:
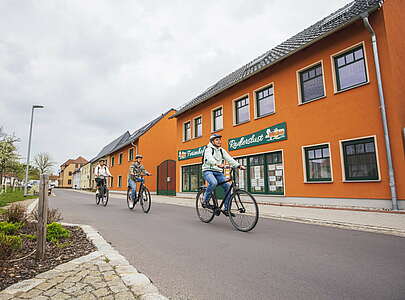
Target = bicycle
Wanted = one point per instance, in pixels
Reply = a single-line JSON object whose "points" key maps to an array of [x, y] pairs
{"points": [[143, 196], [103, 192], [243, 210]]}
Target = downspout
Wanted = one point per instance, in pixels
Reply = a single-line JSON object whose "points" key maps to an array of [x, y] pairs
{"points": [[383, 112], [136, 147]]}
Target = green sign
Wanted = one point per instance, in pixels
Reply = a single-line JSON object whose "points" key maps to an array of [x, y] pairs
{"points": [[191, 153], [269, 135]]}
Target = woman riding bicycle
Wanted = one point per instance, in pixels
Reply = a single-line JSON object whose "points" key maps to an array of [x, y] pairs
{"points": [[214, 158], [136, 171], [101, 172]]}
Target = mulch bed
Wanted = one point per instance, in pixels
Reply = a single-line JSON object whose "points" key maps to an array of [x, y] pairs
{"points": [[67, 249]]}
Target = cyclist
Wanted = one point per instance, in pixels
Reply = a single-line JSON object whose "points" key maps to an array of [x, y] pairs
{"points": [[214, 158], [101, 172], [136, 170]]}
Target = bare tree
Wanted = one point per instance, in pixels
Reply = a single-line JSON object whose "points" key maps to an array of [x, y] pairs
{"points": [[43, 162], [8, 152]]}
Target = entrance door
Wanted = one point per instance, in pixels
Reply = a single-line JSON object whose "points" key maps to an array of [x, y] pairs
{"points": [[166, 178]]}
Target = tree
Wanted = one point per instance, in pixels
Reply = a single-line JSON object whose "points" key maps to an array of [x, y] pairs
{"points": [[43, 162], [8, 152]]}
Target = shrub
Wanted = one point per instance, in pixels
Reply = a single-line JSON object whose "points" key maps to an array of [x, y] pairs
{"points": [[16, 213], [10, 228], [28, 236], [8, 244], [54, 215], [55, 232]]}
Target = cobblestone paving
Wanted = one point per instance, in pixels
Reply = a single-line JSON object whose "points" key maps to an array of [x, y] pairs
{"points": [[103, 274]]}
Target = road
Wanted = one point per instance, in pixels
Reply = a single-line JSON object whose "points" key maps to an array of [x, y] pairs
{"points": [[187, 259]]}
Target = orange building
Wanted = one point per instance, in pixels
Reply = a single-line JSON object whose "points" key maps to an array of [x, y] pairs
{"points": [[305, 116], [156, 142]]}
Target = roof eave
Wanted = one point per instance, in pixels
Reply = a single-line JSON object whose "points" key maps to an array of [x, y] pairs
{"points": [[278, 60]]}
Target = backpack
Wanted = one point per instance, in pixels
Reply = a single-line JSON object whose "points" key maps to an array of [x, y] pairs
{"points": [[203, 157]]}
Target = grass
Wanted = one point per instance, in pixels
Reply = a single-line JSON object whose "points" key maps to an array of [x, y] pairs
{"points": [[10, 197]]}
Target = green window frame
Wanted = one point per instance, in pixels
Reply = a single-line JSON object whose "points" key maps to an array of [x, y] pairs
{"points": [[241, 109], [187, 131], [198, 127], [314, 76], [112, 161], [313, 157], [131, 154], [218, 121], [265, 96], [112, 182], [119, 181], [120, 156], [192, 178], [352, 60], [360, 159]]}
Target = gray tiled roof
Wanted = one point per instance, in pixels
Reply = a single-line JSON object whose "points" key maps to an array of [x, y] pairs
{"points": [[343, 16], [112, 146]]}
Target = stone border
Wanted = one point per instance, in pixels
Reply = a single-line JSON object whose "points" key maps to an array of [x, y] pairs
{"points": [[137, 282]]}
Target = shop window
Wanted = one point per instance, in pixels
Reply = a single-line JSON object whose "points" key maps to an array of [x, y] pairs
{"points": [[112, 161], [360, 160], [119, 181], [242, 110], [241, 175], [311, 83], [350, 68], [217, 115], [192, 178], [187, 131], [131, 154], [120, 158], [257, 171], [197, 127], [275, 173], [317, 163], [265, 101]]}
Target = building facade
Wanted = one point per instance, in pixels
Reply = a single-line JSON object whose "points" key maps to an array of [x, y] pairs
{"points": [[157, 143], [85, 176], [76, 179], [67, 169], [305, 117]]}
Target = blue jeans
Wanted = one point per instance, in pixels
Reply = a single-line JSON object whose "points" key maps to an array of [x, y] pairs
{"points": [[213, 178], [132, 184]]}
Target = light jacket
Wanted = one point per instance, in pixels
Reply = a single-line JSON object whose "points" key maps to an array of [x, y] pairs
{"points": [[214, 158], [101, 171]]}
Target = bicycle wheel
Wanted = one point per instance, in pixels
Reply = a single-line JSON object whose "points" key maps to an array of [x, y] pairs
{"points": [[97, 198], [145, 200], [243, 211], [105, 196], [206, 215], [130, 201]]}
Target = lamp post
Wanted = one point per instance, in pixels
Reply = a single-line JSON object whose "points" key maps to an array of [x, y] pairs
{"points": [[29, 148]]}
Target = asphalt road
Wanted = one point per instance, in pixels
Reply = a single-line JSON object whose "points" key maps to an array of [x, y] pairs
{"points": [[187, 259]]}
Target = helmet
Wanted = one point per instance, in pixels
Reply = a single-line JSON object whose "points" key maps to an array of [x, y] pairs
{"points": [[138, 156], [214, 136]]}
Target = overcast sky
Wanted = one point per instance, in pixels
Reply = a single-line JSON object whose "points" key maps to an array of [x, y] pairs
{"points": [[103, 67]]}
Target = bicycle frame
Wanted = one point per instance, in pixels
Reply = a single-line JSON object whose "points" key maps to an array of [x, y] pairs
{"points": [[233, 188]]}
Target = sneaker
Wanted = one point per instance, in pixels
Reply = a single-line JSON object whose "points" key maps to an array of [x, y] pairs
{"points": [[204, 204], [225, 212]]}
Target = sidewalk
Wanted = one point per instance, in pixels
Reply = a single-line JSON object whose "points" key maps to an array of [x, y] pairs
{"points": [[373, 221]]}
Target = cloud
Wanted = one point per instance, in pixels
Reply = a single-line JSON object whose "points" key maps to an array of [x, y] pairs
{"points": [[104, 67]]}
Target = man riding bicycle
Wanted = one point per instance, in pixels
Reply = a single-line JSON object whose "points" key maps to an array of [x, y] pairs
{"points": [[136, 171], [101, 172], [214, 158]]}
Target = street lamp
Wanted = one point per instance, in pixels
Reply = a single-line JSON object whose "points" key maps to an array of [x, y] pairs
{"points": [[29, 148]]}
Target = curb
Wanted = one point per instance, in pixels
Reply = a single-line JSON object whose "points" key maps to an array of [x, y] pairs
{"points": [[130, 276], [32, 206]]}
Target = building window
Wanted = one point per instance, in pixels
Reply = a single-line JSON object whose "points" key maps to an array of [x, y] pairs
{"points": [[119, 181], [131, 154], [192, 178], [76, 165], [69, 181], [197, 127], [265, 101], [242, 110], [241, 175], [187, 131], [317, 163], [360, 159], [350, 69], [120, 158], [217, 119], [112, 161], [70, 173], [112, 182], [311, 82]]}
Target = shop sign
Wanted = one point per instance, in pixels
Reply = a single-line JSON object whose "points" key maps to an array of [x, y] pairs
{"points": [[191, 153], [268, 135]]}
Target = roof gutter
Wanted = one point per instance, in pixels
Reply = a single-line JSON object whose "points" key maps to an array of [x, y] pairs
{"points": [[280, 59], [383, 112]]}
